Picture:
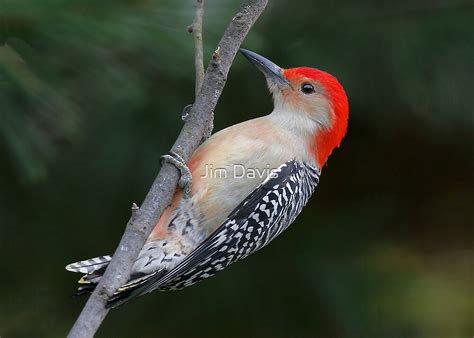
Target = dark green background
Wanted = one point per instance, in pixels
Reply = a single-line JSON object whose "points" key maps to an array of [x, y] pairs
{"points": [[90, 97]]}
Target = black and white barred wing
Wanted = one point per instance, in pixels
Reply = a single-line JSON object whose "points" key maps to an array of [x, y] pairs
{"points": [[261, 217]]}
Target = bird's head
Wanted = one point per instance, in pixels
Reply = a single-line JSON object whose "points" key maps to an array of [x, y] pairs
{"points": [[311, 97]]}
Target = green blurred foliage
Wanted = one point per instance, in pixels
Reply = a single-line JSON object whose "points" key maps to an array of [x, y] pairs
{"points": [[90, 97]]}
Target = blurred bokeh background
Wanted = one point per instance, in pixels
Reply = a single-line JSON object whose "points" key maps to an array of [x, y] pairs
{"points": [[91, 94]]}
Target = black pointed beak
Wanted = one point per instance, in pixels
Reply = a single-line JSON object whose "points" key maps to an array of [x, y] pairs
{"points": [[271, 70]]}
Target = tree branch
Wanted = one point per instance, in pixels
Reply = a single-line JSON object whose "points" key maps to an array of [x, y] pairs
{"points": [[160, 194], [196, 29]]}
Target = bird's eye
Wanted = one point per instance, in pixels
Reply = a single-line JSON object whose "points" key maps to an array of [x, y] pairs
{"points": [[307, 88]]}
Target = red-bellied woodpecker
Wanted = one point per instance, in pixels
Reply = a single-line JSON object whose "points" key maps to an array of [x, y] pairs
{"points": [[249, 182]]}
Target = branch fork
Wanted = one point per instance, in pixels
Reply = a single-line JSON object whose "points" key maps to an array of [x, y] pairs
{"points": [[197, 126]]}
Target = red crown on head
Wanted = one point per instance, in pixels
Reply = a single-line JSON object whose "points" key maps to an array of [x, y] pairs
{"points": [[328, 139]]}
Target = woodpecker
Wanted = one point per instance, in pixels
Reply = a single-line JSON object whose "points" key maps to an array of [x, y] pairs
{"points": [[249, 183]]}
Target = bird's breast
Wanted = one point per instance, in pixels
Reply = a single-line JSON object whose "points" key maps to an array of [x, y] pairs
{"points": [[234, 161]]}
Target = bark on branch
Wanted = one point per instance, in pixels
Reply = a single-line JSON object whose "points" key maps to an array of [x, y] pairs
{"points": [[196, 29], [194, 131]]}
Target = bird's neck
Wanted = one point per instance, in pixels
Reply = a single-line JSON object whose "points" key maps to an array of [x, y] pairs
{"points": [[300, 126], [320, 136], [295, 121]]}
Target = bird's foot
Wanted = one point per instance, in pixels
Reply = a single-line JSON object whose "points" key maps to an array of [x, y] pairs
{"points": [[186, 179]]}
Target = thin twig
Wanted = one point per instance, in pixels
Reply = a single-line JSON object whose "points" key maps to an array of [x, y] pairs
{"points": [[135, 208], [160, 194], [196, 29]]}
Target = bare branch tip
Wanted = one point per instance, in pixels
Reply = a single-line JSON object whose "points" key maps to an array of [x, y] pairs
{"points": [[135, 209], [186, 111], [196, 30], [217, 53]]}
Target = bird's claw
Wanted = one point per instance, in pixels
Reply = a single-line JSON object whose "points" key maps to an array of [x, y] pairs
{"points": [[186, 178]]}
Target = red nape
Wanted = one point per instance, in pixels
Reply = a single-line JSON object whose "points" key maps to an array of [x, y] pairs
{"points": [[326, 139]]}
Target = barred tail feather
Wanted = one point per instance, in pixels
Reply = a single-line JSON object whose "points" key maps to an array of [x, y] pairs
{"points": [[89, 266], [92, 269]]}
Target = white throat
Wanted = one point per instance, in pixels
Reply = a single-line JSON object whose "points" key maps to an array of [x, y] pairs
{"points": [[294, 120]]}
